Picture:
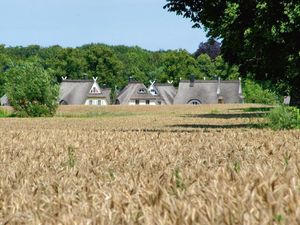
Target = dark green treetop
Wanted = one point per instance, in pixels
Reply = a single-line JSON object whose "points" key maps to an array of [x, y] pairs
{"points": [[262, 36]]}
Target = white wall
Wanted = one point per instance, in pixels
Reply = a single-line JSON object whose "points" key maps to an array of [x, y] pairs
{"points": [[142, 102], [95, 102], [131, 102], [152, 102]]}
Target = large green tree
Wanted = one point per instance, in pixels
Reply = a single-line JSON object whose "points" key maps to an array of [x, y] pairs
{"points": [[104, 64], [262, 36], [30, 90], [179, 65]]}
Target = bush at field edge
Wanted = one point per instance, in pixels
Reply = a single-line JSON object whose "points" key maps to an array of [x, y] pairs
{"points": [[284, 117]]}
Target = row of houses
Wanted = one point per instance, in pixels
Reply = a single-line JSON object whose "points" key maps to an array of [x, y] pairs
{"points": [[88, 92], [195, 92]]}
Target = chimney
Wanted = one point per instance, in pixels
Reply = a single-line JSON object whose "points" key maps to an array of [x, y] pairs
{"points": [[85, 76], [192, 80], [240, 86], [219, 86], [130, 79]]}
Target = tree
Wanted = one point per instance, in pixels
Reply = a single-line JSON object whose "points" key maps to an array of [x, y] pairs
{"points": [[262, 36], [216, 68], [30, 90], [206, 66], [255, 93], [178, 65], [211, 48], [103, 63], [224, 70], [4, 61]]}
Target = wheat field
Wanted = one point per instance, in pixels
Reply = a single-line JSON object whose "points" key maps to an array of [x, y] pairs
{"points": [[148, 165]]}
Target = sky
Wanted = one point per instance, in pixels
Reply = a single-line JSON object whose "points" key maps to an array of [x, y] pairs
{"points": [[72, 23]]}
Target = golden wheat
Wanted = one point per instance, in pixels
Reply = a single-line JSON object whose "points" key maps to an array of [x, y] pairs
{"points": [[148, 165]]}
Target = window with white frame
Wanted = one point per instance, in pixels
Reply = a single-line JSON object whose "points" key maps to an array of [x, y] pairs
{"points": [[94, 90], [153, 92], [194, 102]]}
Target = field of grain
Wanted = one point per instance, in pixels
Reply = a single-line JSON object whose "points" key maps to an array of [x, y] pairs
{"points": [[148, 165]]}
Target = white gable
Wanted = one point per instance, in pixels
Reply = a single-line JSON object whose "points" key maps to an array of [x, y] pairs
{"points": [[152, 89], [95, 89]]}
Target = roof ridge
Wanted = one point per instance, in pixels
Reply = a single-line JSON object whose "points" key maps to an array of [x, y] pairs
{"points": [[209, 81], [69, 81]]}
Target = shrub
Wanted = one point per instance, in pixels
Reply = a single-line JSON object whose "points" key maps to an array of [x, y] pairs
{"points": [[30, 90], [255, 93], [284, 117]]}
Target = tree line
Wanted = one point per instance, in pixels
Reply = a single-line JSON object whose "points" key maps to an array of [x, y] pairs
{"points": [[113, 65]]}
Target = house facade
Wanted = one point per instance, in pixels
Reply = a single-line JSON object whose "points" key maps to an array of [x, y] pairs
{"points": [[83, 92]]}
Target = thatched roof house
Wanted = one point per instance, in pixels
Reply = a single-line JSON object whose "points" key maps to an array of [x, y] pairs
{"points": [[136, 93], [209, 92], [83, 92]]}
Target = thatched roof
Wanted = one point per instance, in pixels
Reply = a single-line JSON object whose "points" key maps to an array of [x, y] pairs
{"points": [[134, 91], [166, 93], [208, 91], [230, 91], [75, 92]]}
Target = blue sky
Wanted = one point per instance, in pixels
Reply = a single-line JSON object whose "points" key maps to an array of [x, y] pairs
{"points": [[76, 22]]}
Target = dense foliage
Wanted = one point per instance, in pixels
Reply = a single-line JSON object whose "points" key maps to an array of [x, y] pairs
{"points": [[261, 36], [255, 93], [30, 90], [284, 117]]}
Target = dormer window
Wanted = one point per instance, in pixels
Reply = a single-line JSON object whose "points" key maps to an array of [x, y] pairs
{"points": [[94, 90], [142, 91], [153, 92]]}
